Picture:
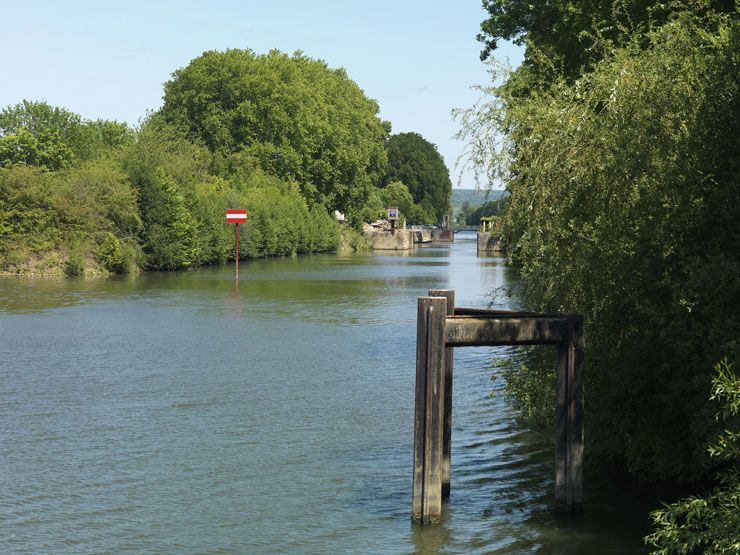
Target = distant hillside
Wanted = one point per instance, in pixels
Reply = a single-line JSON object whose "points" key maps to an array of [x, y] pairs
{"points": [[475, 197]]}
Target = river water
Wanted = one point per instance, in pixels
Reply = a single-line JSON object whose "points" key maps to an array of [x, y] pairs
{"points": [[177, 413]]}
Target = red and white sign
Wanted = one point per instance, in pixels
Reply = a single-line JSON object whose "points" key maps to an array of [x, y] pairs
{"points": [[236, 216]]}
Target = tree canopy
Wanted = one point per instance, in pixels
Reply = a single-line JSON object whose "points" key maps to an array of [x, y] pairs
{"points": [[50, 137], [290, 116], [417, 164], [618, 142], [568, 37]]}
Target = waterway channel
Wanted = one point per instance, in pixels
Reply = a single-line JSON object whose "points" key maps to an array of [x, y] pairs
{"points": [[178, 413]]}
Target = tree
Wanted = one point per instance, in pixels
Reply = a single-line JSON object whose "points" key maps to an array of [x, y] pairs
{"points": [[45, 150], [567, 37], [623, 207], [398, 195], [170, 231], [415, 161], [53, 138], [488, 208], [290, 116]]}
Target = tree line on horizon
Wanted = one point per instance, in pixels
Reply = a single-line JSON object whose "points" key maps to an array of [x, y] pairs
{"points": [[284, 136], [617, 140]]}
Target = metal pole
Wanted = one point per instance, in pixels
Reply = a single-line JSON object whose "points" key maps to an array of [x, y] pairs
{"points": [[236, 258]]}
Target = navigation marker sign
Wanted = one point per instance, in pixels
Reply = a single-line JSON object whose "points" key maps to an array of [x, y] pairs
{"points": [[236, 216]]}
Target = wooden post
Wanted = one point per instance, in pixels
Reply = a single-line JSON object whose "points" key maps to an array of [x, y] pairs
{"points": [[447, 431], [569, 429], [236, 256], [429, 409], [561, 428], [419, 409], [575, 416]]}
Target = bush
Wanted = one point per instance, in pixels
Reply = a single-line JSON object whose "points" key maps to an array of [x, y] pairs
{"points": [[709, 524], [116, 258], [75, 264]]}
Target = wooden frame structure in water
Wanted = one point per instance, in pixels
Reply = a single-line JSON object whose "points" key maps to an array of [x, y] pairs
{"points": [[441, 326]]}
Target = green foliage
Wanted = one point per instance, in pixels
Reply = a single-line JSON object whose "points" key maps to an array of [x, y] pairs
{"points": [[74, 266], [489, 208], [567, 37], [415, 162], [422, 214], [623, 207], [462, 215], [43, 212], [182, 206], [352, 240], [280, 223], [283, 136], [528, 383], [709, 524], [398, 195], [115, 257], [170, 231], [474, 197], [45, 150], [290, 116], [52, 138]]}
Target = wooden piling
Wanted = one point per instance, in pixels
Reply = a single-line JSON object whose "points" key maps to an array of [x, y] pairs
{"points": [[569, 417], [441, 327], [575, 416], [561, 428], [429, 409], [449, 294]]}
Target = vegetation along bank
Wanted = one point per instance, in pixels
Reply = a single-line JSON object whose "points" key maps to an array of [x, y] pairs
{"points": [[284, 136], [618, 141]]}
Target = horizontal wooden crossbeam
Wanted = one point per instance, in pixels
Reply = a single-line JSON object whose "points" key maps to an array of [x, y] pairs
{"points": [[470, 331]]}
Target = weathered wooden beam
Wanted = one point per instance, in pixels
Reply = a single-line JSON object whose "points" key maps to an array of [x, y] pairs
{"points": [[429, 410], [449, 294], [420, 408], [575, 416], [561, 428], [466, 311], [569, 428], [479, 331]]}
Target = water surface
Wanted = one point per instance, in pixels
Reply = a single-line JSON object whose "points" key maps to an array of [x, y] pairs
{"points": [[179, 413]]}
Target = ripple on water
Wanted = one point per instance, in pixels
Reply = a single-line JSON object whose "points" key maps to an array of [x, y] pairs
{"points": [[177, 413]]}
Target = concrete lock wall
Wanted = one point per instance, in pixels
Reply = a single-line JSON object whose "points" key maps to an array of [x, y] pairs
{"points": [[443, 235], [387, 241], [490, 244]]}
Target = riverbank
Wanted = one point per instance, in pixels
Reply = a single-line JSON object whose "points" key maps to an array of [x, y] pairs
{"points": [[350, 241]]}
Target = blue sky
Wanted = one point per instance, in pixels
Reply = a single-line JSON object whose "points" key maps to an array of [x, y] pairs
{"points": [[110, 59]]}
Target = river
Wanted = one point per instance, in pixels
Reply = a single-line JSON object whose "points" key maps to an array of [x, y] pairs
{"points": [[176, 413]]}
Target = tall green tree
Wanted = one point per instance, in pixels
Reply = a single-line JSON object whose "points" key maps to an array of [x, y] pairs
{"points": [[416, 162], [291, 116], [50, 137], [45, 150], [623, 206], [398, 195], [567, 37]]}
